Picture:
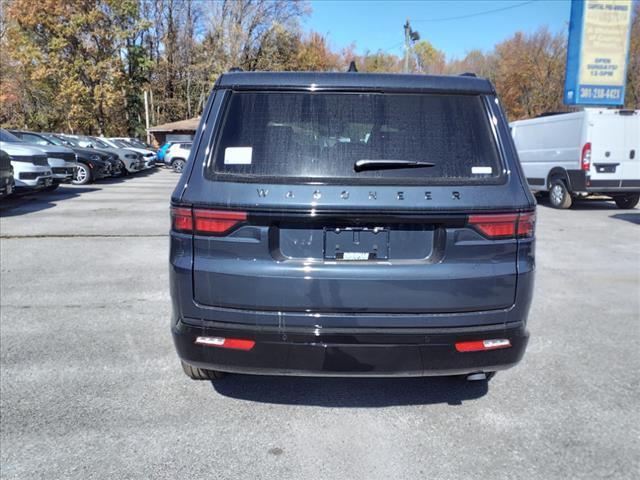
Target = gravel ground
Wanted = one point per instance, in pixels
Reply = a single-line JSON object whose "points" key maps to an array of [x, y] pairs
{"points": [[91, 386]]}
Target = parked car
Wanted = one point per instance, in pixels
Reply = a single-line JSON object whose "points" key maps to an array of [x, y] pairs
{"points": [[6, 174], [148, 155], [132, 161], [352, 225], [135, 142], [106, 164], [163, 150], [577, 155], [177, 155], [31, 170], [129, 161], [62, 160]]}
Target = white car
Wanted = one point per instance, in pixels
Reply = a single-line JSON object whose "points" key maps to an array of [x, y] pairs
{"points": [[176, 156], [62, 160], [149, 156], [31, 169], [592, 152]]}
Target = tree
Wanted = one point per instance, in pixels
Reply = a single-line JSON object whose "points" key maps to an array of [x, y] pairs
{"points": [[529, 73], [67, 55], [428, 59]]}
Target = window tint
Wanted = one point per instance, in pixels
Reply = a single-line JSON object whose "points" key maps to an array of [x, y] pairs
{"points": [[8, 137], [322, 135], [30, 138], [99, 143]]}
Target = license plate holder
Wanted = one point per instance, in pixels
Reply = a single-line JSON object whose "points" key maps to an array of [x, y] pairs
{"points": [[356, 244]]}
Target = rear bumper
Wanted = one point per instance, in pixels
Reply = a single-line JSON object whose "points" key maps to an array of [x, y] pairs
{"points": [[357, 352], [580, 183]]}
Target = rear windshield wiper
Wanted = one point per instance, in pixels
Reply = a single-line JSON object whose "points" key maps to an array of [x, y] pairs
{"points": [[362, 165]]}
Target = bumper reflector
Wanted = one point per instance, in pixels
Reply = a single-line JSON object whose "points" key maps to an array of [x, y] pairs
{"points": [[234, 343], [481, 345]]}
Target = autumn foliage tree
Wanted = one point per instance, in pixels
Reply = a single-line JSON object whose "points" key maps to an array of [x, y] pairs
{"points": [[83, 65]]}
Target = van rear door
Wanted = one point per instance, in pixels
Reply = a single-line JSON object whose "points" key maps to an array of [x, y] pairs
{"points": [[631, 162], [614, 139], [286, 220]]}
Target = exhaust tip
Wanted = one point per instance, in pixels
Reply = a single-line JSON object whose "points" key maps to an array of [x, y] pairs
{"points": [[476, 377]]}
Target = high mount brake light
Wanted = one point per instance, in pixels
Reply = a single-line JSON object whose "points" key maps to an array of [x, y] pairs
{"points": [[504, 225], [202, 221]]}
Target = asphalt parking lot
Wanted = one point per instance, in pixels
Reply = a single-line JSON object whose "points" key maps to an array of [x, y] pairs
{"points": [[91, 386]]}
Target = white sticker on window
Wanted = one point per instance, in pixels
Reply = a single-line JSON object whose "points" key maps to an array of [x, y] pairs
{"points": [[481, 170], [237, 155]]}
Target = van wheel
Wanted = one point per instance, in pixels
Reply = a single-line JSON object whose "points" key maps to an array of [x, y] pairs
{"points": [[627, 201], [200, 373], [559, 196], [177, 165]]}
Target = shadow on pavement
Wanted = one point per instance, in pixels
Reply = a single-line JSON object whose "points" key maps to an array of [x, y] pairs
{"points": [[37, 201], [583, 204], [350, 392], [124, 178], [628, 217], [30, 202]]}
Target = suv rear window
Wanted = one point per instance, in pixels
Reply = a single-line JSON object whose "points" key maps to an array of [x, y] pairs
{"points": [[320, 136]]}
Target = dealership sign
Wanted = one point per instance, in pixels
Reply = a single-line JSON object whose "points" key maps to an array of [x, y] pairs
{"points": [[598, 50]]}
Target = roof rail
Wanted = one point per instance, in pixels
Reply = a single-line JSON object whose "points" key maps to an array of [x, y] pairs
{"points": [[468, 74]]}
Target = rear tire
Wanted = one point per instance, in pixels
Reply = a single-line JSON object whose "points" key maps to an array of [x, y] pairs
{"points": [[559, 196], [627, 202], [196, 373], [83, 175]]}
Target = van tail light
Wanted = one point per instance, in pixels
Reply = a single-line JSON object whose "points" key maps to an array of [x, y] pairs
{"points": [[504, 225], [585, 159], [483, 345], [202, 221]]}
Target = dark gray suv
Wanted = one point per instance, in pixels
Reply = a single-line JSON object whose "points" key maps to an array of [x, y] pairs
{"points": [[348, 224]]}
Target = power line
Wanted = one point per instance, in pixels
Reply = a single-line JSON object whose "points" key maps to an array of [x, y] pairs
{"points": [[486, 12]]}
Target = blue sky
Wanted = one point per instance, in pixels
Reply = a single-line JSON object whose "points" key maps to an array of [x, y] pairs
{"points": [[377, 24]]}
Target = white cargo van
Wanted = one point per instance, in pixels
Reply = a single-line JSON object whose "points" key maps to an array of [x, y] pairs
{"points": [[591, 152]]}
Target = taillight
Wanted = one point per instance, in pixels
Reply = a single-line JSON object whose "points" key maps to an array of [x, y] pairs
{"points": [[232, 343], [182, 219], [585, 161], [526, 224], [483, 345], [202, 221], [504, 225], [216, 222]]}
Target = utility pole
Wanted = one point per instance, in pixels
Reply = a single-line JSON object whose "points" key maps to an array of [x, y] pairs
{"points": [[146, 114], [410, 36], [407, 33]]}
